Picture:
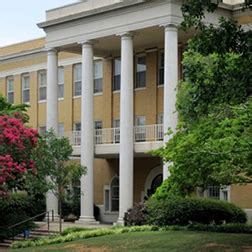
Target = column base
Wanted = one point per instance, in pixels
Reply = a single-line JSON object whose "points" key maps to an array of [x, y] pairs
{"points": [[120, 222], [87, 220]]}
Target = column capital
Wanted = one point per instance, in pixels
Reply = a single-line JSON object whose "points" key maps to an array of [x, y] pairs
{"points": [[126, 35], [87, 43], [170, 26], [51, 50]]}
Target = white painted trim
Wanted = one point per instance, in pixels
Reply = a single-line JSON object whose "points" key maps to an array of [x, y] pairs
{"points": [[77, 97], [98, 94], [35, 68]]}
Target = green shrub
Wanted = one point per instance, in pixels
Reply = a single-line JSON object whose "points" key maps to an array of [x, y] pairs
{"points": [[184, 211], [225, 228], [136, 216], [16, 208], [75, 229]]}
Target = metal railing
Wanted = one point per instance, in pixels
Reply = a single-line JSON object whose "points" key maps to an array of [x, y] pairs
{"points": [[147, 133], [12, 228]]}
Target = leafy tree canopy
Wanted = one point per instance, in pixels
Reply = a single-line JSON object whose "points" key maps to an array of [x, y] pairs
{"points": [[213, 143]]}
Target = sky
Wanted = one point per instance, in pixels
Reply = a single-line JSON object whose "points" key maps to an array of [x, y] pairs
{"points": [[19, 18]]}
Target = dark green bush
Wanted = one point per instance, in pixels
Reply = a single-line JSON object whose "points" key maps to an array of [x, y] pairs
{"points": [[136, 216], [184, 211], [16, 208], [225, 228]]}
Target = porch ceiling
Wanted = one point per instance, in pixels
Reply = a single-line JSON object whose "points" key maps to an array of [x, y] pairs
{"points": [[144, 39]]}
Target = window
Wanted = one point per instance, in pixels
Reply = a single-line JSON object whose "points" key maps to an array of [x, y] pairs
{"points": [[160, 118], [114, 189], [25, 88], [98, 74], [98, 132], [214, 192], [117, 74], [77, 126], [140, 72], [60, 129], [77, 79], [161, 69], [61, 82], [116, 125], [140, 133], [42, 130], [10, 89], [42, 85]]}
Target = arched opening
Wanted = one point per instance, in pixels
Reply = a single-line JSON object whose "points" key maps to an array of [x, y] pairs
{"points": [[114, 194]]}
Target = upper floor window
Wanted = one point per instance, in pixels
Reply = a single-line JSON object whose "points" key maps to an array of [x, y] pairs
{"points": [[117, 74], [25, 88], [98, 75], [77, 78], [10, 89], [140, 71], [140, 121], [61, 82], [42, 85], [161, 69]]}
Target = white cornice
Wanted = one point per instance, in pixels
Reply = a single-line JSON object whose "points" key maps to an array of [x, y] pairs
{"points": [[34, 68]]}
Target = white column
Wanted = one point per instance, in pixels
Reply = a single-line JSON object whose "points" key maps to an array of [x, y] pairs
{"points": [[52, 113], [126, 127], [52, 91], [87, 137], [170, 84]]}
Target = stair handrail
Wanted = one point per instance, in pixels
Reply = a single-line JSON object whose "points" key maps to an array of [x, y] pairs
{"points": [[47, 213]]}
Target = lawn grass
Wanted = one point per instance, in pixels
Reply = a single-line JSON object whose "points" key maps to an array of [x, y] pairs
{"points": [[172, 241]]}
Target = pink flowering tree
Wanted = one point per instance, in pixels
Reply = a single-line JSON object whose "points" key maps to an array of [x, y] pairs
{"points": [[16, 145]]}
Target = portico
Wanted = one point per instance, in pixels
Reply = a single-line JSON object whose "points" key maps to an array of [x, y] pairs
{"points": [[120, 29]]}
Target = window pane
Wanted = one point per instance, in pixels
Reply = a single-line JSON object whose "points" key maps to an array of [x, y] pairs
{"points": [[117, 74], [161, 69], [77, 126], [42, 93], [25, 88], [42, 85], [60, 75], [77, 79], [141, 72], [10, 97], [10, 89], [98, 75], [61, 91]]}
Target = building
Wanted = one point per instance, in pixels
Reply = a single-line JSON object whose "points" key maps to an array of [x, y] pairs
{"points": [[115, 107]]}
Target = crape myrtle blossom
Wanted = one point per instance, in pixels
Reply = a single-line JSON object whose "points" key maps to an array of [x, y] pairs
{"points": [[16, 144]]}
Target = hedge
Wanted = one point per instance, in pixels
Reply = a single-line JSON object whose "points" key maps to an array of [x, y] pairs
{"points": [[184, 211]]}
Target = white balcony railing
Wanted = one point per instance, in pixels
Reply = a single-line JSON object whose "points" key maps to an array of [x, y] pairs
{"points": [[148, 133]]}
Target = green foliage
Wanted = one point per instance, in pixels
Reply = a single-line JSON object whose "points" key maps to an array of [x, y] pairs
{"points": [[52, 159], [225, 228], [75, 229], [215, 151], [136, 216], [82, 235], [13, 110], [194, 11], [16, 208], [183, 211]]}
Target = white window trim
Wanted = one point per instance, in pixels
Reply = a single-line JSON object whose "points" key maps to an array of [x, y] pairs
{"points": [[7, 88]]}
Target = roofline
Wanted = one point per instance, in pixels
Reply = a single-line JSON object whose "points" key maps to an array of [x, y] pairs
{"points": [[89, 13]]}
